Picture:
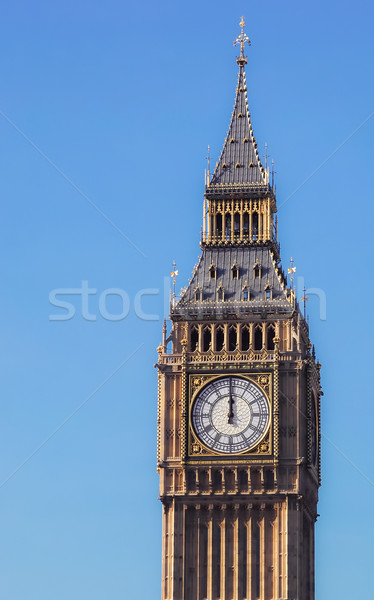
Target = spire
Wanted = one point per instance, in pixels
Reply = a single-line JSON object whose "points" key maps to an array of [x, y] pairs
{"points": [[239, 163]]}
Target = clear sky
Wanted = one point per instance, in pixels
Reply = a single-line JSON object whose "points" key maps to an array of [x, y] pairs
{"points": [[112, 105]]}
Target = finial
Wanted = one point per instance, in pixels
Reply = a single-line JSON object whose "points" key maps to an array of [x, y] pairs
{"points": [[305, 299], [164, 330], [242, 39], [207, 172], [266, 156], [173, 274], [292, 271]]}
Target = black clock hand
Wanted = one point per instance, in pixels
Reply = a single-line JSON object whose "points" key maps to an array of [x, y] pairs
{"points": [[231, 402]]}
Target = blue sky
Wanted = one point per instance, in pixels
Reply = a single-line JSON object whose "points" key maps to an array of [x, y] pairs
{"points": [[114, 105]]}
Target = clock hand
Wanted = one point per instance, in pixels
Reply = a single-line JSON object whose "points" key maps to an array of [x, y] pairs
{"points": [[230, 414]]}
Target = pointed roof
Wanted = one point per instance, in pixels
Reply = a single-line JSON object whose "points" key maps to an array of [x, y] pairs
{"points": [[239, 165], [239, 162]]}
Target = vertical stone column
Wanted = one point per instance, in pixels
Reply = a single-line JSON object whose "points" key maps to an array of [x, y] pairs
{"points": [[312, 560], [226, 336], [200, 340], [223, 568], [229, 552], [210, 552], [269, 551], [165, 548], [237, 566], [241, 221], [198, 552], [255, 550], [277, 552], [190, 555], [261, 523], [217, 564], [209, 220]]}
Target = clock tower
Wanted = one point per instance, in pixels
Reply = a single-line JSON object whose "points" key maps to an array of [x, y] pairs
{"points": [[238, 400]]}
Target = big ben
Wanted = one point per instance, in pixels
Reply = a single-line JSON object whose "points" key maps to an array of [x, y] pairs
{"points": [[238, 399]]}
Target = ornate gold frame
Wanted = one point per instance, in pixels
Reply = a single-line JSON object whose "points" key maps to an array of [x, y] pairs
{"points": [[196, 448]]}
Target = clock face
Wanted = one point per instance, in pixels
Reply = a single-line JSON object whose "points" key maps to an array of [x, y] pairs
{"points": [[230, 415]]}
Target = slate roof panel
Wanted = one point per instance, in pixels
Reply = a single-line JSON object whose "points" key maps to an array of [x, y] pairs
{"points": [[236, 151], [246, 259]]}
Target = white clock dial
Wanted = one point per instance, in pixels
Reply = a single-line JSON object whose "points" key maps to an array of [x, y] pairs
{"points": [[230, 415]]}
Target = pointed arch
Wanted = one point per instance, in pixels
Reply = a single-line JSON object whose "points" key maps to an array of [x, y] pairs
{"points": [[207, 338], [245, 225], [233, 338], [268, 291], [257, 270], [244, 338], [228, 226], [246, 292], [234, 271], [236, 225], [255, 221], [258, 337], [212, 271], [194, 338], [220, 338], [219, 225], [198, 294], [270, 335]]}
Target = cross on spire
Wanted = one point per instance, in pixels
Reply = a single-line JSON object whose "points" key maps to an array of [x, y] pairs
{"points": [[242, 39]]}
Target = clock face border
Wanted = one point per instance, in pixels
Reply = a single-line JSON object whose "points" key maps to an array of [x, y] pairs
{"points": [[263, 447]]}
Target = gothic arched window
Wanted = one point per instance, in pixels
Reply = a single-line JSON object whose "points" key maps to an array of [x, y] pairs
{"points": [[219, 225], [207, 338], [245, 224], [232, 338], [255, 226], [237, 225], [194, 338], [212, 272], [270, 336], [228, 226], [246, 294], [245, 338], [235, 271], [220, 338], [268, 292], [257, 270], [258, 337]]}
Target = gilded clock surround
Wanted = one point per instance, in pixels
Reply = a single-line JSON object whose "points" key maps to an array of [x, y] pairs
{"points": [[239, 526], [197, 448]]}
